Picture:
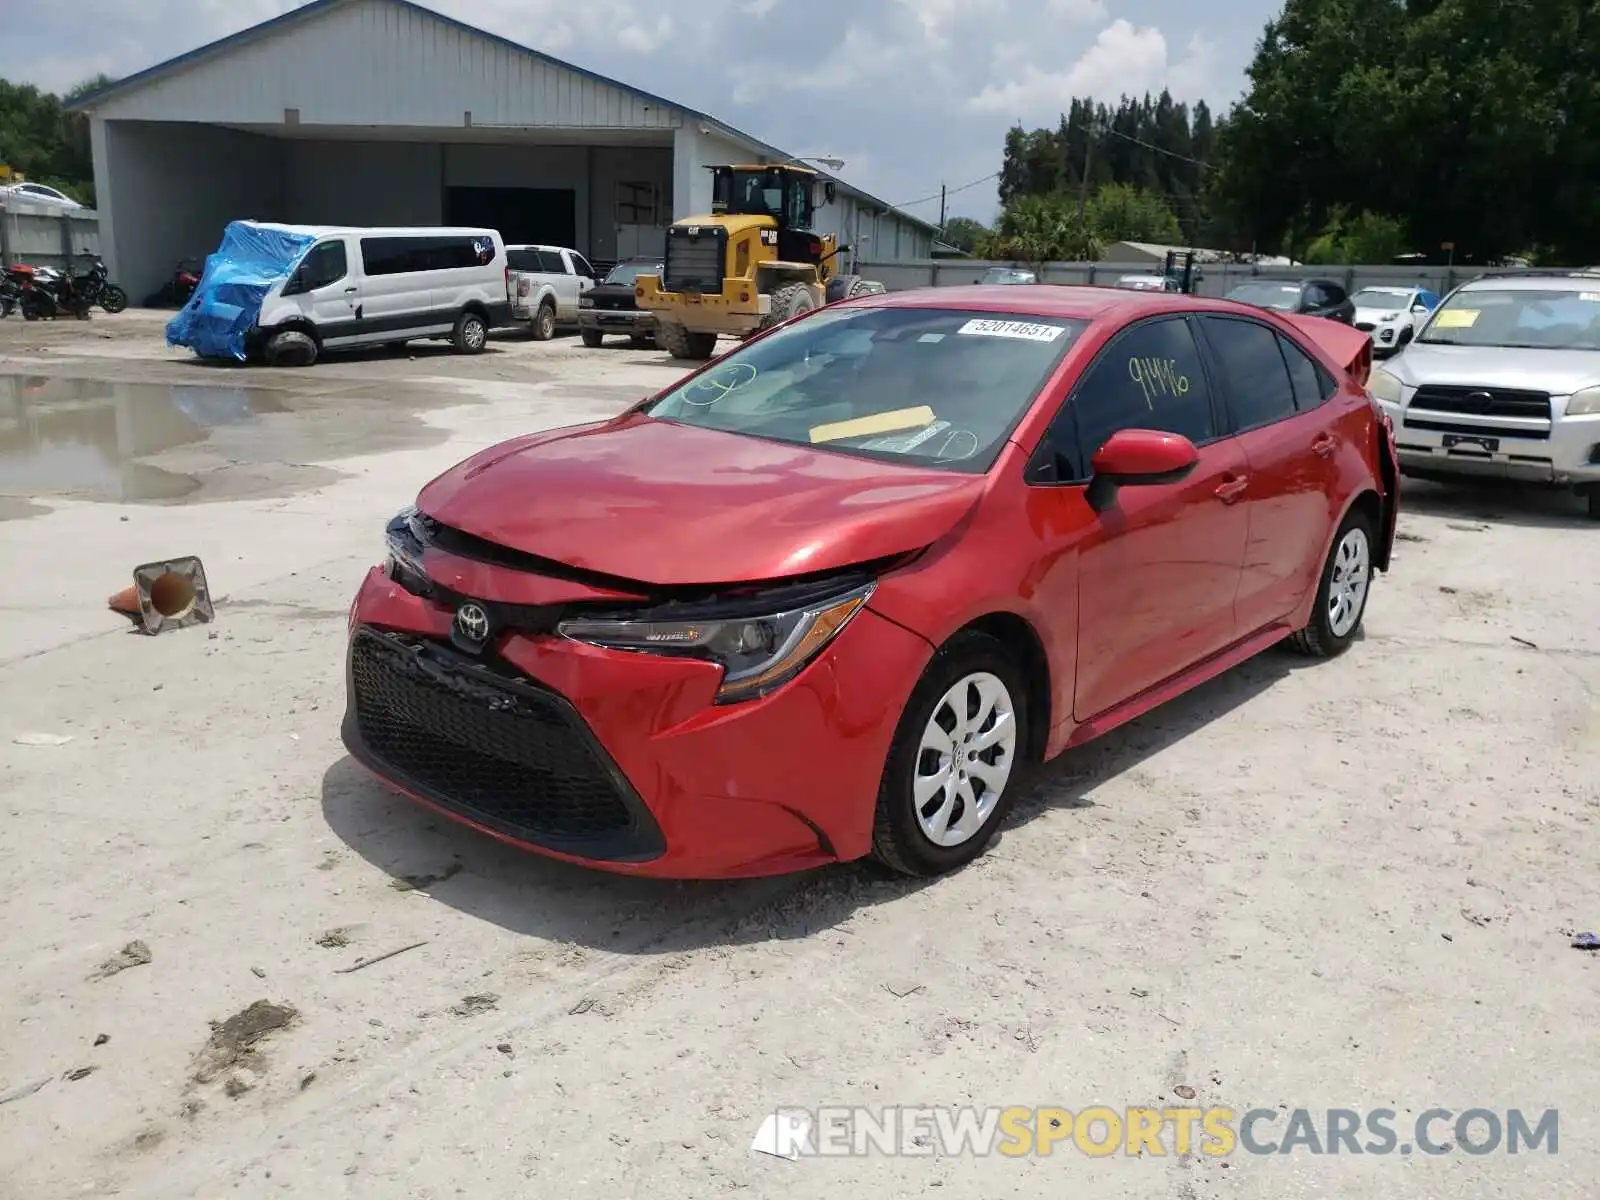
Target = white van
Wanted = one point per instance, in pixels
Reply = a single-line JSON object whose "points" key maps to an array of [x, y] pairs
{"points": [[362, 287]]}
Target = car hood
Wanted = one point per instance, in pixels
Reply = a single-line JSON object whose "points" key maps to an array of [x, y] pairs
{"points": [[1559, 372], [1378, 316], [660, 503]]}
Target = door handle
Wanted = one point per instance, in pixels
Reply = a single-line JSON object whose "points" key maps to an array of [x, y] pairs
{"points": [[1324, 446], [350, 291], [1232, 488]]}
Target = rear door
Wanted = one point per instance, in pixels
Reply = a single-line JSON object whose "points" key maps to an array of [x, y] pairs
{"points": [[1273, 394], [1159, 570]]}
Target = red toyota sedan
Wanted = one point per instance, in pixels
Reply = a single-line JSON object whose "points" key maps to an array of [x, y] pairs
{"points": [[832, 594]]}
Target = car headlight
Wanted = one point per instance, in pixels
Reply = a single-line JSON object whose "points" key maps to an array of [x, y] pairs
{"points": [[1584, 403], [585, 302], [402, 545], [1385, 386], [758, 649]]}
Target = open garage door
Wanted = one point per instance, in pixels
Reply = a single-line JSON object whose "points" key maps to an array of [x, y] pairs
{"points": [[548, 216]]}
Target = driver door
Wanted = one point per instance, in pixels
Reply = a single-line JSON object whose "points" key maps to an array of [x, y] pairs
{"points": [[326, 292]]}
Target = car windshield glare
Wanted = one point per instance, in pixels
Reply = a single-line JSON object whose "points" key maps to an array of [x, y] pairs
{"points": [[931, 387], [1267, 295], [1386, 301], [1520, 318], [630, 272]]}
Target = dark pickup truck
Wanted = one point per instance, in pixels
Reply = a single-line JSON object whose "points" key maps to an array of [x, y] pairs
{"points": [[609, 306]]}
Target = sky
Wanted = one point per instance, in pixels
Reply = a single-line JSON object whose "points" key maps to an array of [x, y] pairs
{"points": [[912, 94]]}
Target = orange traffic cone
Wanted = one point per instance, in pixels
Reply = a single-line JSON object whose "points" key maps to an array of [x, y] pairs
{"points": [[126, 602]]}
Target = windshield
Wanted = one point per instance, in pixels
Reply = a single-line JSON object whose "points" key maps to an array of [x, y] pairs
{"points": [[1535, 320], [1281, 296], [630, 272], [1385, 301], [921, 386]]}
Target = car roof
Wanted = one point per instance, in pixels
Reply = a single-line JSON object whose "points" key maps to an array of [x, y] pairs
{"points": [[1075, 301], [1577, 281], [1390, 289]]}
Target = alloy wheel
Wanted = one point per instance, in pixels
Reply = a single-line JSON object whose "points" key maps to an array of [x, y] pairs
{"points": [[1347, 589], [965, 759]]}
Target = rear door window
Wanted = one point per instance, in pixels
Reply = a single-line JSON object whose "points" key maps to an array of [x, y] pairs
{"points": [[1150, 378], [551, 262], [1252, 371]]}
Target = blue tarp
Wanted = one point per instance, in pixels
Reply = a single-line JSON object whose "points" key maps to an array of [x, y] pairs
{"points": [[251, 260]]}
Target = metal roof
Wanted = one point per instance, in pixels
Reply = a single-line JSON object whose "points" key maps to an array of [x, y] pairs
{"points": [[317, 7]]}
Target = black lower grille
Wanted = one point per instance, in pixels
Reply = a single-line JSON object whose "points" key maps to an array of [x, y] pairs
{"points": [[501, 752], [694, 260], [1482, 401], [1365, 326]]}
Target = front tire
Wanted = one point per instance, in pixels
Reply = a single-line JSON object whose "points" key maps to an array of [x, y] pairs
{"points": [[290, 348], [1594, 503], [680, 343], [544, 322], [471, 334], [1342, 592], [953, 767], [593, 338], [113, 299]]}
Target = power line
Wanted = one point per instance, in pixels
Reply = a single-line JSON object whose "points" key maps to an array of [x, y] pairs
{"points": [[950, 192], [1158, 149]]}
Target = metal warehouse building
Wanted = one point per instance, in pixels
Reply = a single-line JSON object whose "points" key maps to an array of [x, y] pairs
{"points": [[382, 112]]}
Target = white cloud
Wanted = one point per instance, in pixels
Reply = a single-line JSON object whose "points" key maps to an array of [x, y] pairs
{"points": [[1124, 59], [936, 16], [760, 8], [1078, 10], [642, 38]]}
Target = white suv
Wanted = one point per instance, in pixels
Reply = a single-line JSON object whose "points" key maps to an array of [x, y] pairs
{"points": [[1503, 381]]}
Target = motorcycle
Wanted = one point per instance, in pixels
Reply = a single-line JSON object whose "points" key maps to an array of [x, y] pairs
{"points": [[10, 295], [175, 292], [95, 287], [48, 293]]}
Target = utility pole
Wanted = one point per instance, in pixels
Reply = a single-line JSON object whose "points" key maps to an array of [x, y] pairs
{"points": [[941, 210], [1083, 184]]}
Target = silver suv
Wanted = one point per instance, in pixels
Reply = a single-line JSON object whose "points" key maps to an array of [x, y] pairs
{"points": [[1503, 381]]}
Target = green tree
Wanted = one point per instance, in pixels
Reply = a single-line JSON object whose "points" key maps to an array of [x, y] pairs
{"points": [[1119, 212], [1366, 238], [45, 143], [964, 233], [1042, 229]]}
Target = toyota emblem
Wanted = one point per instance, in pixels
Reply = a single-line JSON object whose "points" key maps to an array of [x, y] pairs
{"points": [[1480, 402], [472, 623]]}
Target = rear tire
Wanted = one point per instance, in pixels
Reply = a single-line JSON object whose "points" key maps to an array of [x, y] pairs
{"points": [[1342, 592], [471, 333], [290, 348], [841, 287], [1594, 503], [978, 755], [593, 338], [543, 324]]}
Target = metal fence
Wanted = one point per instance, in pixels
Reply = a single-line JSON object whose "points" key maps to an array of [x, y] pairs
{"points": [[45, 235], [1212, 279]]}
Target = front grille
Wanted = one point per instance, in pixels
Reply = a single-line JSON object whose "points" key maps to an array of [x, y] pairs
{"points": [[694, 261], [613, 303], [1470, 401], [499, 751]]}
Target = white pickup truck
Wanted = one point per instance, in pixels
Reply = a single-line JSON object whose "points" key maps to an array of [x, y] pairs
{"points": [[544, 285]]}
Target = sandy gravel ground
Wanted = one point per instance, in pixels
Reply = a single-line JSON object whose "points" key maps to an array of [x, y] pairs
{"points": [[1349, 884]]}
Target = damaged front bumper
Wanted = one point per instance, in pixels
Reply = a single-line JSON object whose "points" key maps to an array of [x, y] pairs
{"points": [[630, 761]]}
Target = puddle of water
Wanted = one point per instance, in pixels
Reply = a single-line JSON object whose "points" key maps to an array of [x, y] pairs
{"points": [[77, 437]]}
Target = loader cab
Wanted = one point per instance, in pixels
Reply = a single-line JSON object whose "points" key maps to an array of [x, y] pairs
{"points": [[787, 194]]}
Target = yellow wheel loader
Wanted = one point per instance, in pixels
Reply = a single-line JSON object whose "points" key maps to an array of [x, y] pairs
{"points": [[753, 262]]}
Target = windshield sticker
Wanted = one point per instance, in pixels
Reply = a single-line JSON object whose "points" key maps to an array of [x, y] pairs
{"points": [[931, 337], [714, 384], [1591, 297], [963, 443], [1013, 329], [1158, 377], [885, 422], [907, 442], [1457, 318]]}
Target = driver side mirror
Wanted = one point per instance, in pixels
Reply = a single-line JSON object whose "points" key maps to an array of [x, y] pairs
{"points": [[1420, 310], [1138, 458], [828, 191]]}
